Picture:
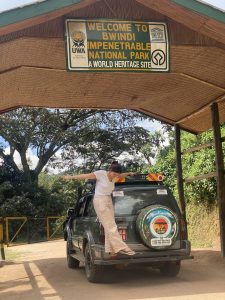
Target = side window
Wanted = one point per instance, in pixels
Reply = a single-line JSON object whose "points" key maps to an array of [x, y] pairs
{"points": [[85, 207], [80, 207], [89, 208]]}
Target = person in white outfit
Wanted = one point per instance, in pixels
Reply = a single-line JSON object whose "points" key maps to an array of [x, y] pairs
{"points": [[105, 183]]}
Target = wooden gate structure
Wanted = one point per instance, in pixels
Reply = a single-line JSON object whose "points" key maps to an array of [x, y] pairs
{"points": [[191, 96]]}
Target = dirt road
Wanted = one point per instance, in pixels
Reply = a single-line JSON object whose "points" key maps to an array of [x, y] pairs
{"points": [[39, 271]]}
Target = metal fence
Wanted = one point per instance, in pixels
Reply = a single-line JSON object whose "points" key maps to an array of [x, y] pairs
{"points": [[25, 230], [2, 253]]}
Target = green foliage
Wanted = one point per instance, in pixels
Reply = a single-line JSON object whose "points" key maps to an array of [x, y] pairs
{"points": [[150, 149], [87, 140], [18, 198], [195, 163], [63, 192], [17, 206], [90, 140], [92, 135], [199, 163], [164, 156]]}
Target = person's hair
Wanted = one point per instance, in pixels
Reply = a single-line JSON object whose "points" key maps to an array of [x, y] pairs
{"points": [[115, 167]]}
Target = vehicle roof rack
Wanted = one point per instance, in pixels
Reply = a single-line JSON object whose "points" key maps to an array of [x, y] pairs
{"points": [[140, 179], [137, 179]]}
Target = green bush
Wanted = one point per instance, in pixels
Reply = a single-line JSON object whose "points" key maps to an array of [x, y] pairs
{"points": [[18, 198]]}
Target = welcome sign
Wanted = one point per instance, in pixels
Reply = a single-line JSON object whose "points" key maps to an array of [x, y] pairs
{"points": [[113, 45]]}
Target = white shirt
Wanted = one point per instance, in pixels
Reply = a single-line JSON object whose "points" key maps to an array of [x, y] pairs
{"points": [[104, 186]]}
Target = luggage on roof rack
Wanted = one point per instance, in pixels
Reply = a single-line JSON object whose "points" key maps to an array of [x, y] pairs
{"points": [[144, 178]]}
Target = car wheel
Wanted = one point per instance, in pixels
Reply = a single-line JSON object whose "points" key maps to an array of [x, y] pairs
{"points": [[94, 273], [170, 269], [72, 262]]}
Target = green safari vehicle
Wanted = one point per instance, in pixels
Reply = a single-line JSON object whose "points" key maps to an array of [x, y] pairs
{"points": [[148, 219]]}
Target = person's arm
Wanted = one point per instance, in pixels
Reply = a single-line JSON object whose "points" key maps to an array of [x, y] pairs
{"points": [[80, 176], [124, 175]]}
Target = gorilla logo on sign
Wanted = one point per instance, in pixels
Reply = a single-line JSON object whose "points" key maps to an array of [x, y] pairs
{"points": [[78, 38]]}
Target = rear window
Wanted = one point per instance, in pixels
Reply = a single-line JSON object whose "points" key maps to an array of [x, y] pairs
{"points": [[130, 201]]}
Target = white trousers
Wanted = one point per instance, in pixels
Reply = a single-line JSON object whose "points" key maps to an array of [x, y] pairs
{"points": [[105, 212]]}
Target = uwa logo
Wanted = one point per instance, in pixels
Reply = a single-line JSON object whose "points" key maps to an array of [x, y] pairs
{"points": [[78, 38]]}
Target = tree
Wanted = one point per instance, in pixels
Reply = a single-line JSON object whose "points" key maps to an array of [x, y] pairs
{"points": [[100, 148], [150, 150], [193, 164], [95, 135]]}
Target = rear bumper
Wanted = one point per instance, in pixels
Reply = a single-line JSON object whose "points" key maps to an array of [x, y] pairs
{"points": [[147, 257], [138, 260]]}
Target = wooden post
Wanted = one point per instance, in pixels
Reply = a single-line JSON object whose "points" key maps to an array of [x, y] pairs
{"points": [[2, 252], [220, 173], [180, 182]]}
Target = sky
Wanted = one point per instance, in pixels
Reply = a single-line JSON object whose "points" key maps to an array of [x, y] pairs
{"points": [[10, 4]]}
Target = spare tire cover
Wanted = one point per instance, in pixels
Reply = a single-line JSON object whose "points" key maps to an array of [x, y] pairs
{"points": [[158, 226]]}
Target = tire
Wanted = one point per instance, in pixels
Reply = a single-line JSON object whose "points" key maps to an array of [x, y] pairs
{"points": [[170, 269], [72, 262], [158, 227], [94, 273]]}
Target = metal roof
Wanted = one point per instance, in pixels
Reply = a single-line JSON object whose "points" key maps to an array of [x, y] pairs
{"points": [[40, 7], [32, 76], [29, 11], [10, 6], [214, 5], [203, 8]]}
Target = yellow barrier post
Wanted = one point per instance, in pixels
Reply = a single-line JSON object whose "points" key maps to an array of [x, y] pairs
{"points": [[1, 243], [50, 237], [8, 242]]}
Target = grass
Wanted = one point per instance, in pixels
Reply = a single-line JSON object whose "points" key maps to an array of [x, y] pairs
{"points": [[203, 225], [11, 254]]}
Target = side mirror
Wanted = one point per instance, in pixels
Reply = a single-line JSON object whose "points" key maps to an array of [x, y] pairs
{"points": [[89, 185], [70, 212]]}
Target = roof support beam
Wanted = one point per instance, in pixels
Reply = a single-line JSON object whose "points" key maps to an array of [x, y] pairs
{"points": [[2, 251], [180, 181], [37, 13], [190, 18], [200, 147], [200, 177], [220, 173], [199, 111]]}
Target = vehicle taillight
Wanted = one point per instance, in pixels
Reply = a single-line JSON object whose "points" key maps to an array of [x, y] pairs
{"points": [[123, 233], [183, 229]]}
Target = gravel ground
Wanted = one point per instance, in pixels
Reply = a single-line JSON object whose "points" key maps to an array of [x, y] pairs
{"points": [[39, 271]]}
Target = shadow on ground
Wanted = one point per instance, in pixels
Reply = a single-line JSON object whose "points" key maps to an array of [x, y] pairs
{"points": [[50, 278]]}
